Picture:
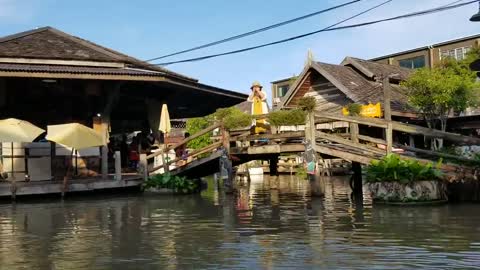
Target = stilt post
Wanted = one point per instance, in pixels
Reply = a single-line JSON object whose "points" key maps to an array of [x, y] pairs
{"points": [[118, 166]]}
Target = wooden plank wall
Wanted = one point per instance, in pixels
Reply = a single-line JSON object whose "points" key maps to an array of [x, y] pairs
{"points": [[329, 98]]}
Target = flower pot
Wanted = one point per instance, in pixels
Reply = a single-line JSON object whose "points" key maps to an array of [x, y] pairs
{"points": [[413, 192]]}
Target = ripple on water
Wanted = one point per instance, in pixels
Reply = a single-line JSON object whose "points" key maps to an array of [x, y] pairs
{"points": [[259, 227]]}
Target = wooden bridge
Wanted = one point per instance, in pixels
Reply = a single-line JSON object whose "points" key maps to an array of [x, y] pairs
{"points": [[234, 147]]}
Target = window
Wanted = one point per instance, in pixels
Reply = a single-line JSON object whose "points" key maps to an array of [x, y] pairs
{"points": [[458, 53], [416, 62], [282, 90]]}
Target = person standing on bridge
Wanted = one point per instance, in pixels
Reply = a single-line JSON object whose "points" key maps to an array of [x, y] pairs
{"points": [[258, 98]]}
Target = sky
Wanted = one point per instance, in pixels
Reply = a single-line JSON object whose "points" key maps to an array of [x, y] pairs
{"points": [[149, 28]]}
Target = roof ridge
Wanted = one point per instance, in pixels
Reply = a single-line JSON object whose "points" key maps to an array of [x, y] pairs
{"points": [[24, 34], [99, 49]]}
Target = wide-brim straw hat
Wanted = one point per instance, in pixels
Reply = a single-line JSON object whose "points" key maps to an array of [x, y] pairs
{"points": [[256, 83]]}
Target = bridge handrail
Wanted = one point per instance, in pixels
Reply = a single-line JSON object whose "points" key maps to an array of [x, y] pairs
{"points": [[398, 126], [186, 140]]}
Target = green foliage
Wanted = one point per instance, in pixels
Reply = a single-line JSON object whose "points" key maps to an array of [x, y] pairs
{"points": [[195, 125], [450, 86], [180, 185], [287, 117], [393, 169], [301, 173], [354, 109], [307, 104], [233, 118]]}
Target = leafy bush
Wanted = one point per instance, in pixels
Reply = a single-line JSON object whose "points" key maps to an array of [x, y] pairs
{"points": [[307, 104], [301, 173], [354, 109], [393, 169], [178, 184], [233, 118], [287, 118], [195, 125]]}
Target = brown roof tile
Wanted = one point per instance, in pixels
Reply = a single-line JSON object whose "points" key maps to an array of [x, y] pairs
{"points": [[76, 69], [50, 43]]}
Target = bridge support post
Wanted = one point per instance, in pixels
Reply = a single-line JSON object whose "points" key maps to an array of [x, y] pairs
{"points": [[273, 165], [357, 179], [226, 173]]}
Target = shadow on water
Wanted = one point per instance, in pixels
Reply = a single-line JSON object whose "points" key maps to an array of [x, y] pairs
{"points": [[267, 224]]}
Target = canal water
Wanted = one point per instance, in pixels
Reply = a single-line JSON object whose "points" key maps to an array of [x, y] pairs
{"points": [[259, 228]]}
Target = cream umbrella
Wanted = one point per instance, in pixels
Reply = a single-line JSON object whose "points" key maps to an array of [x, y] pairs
{"points": [[15, 130], [165, 127], [77, 137]]}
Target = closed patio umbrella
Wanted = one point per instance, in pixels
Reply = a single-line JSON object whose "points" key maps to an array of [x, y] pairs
{"points": [[165, 125], [17, 131]]}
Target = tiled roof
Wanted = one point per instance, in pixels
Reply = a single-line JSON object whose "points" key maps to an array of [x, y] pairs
{"points": [[50, 43], [380, 70], [76, 69], [360, 81]]}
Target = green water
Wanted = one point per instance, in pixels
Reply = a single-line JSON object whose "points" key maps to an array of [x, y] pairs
{"points": [[259, 228]]}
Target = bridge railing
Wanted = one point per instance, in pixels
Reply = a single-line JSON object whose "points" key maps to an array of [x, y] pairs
{"points": [[354, 138], [190, 156]]}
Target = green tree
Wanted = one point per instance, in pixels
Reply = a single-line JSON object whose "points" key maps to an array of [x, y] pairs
{"points": [[446, 88], [195, 125]]}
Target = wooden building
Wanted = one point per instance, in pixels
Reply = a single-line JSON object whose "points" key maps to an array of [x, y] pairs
{"points": [[50, 77], [353, 81]]}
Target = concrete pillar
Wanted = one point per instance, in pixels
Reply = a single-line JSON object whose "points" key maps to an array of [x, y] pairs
{"points": [[118, 166]]}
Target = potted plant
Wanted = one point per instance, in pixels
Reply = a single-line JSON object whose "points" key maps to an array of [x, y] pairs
{"points": [[393, 180]]}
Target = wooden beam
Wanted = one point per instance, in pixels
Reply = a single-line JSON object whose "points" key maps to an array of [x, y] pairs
{"points": [[352, 119], [286, 135], [389, 137], [342, 154], [433, 153], [337, 139], [372, 140]]}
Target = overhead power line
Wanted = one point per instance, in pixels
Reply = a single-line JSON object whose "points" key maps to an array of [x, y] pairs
{"points": [[255, 31], [408, 15]]}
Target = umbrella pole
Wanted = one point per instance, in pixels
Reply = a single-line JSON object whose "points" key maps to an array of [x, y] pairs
{"points": [[14, 180], [65, 178]]}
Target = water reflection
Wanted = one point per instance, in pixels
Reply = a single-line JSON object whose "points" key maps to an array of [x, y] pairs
{"points": [[267, 224]]}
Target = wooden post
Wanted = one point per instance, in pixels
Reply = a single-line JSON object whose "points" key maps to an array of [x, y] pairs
{"points": [[226, 139], [144, 166], [118, 166], [226, 172], [273, 165], [357, 179], [354, 130], [164, 160], [310, 128], [411, 142], [389, 137], [104, 150], [387, 112]]}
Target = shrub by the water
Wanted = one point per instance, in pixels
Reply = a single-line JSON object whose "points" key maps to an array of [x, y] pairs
{"points": [[178, 184], [393, 169], [354, 109], [233, 118]]}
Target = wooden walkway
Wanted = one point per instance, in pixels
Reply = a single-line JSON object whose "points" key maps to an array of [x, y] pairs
{"points": [[351, 146]]}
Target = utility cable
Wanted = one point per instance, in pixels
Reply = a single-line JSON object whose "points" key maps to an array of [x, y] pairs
{"points": [[254, 31], [330, 28]]}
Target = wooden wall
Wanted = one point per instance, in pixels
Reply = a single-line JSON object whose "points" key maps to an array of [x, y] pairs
{"points": [[329, 98]]}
